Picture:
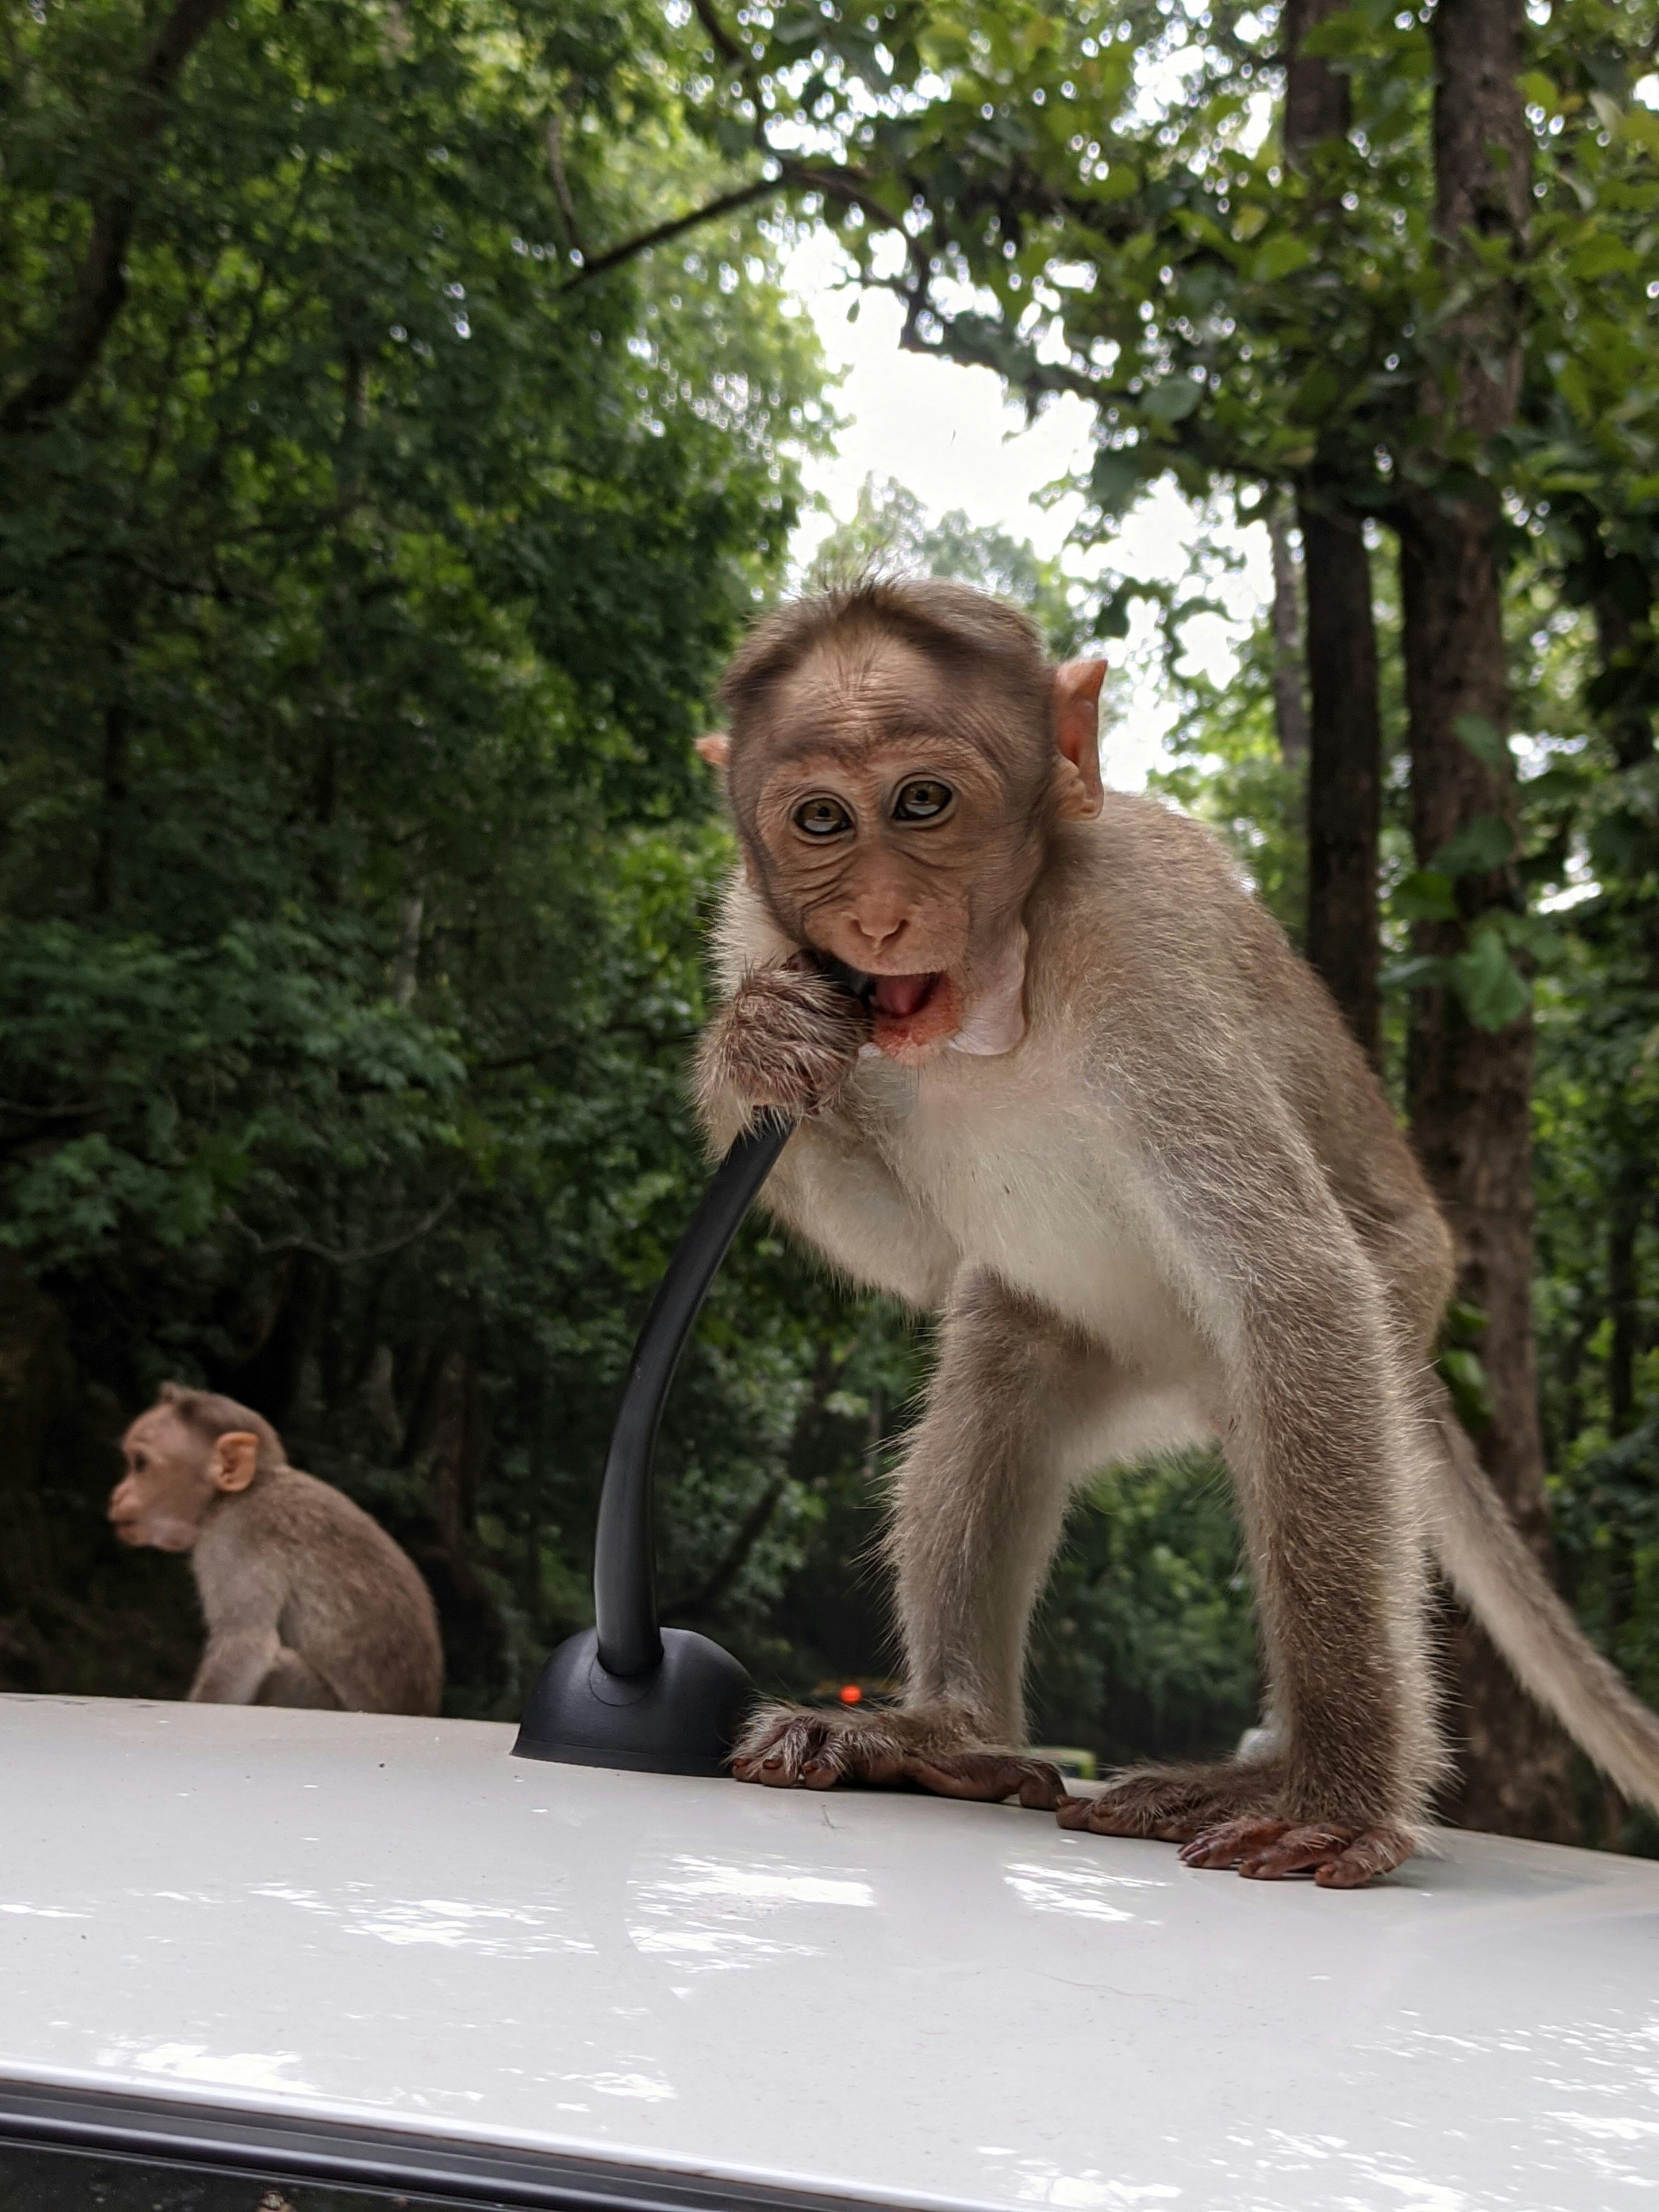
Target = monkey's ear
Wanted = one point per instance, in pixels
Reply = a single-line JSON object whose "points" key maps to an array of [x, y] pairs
{"points": [[235, 1460], [1076, 733], [715, 748]]}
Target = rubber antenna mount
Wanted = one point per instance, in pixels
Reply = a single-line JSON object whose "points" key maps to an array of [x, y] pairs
{"points": [[627, 1692]]}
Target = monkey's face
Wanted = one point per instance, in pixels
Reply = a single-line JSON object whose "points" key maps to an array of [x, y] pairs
{"points": [[886, 826], [167, 1486]]}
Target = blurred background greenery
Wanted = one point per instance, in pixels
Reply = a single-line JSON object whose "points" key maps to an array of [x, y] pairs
{"points": [[401, 409]]}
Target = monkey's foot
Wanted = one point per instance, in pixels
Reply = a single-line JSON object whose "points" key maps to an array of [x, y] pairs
{"points": [[1338, 1856], [788, 1745], [1175, 1804]]}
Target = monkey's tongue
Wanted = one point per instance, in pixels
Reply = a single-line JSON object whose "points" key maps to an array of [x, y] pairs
{"points": [[902, 996]]}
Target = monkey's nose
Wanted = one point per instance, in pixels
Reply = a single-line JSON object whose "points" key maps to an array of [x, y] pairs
{"points": [[877, 932]]}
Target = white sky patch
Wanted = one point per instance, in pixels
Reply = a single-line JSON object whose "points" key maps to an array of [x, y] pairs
{"points": [[948, 435]]}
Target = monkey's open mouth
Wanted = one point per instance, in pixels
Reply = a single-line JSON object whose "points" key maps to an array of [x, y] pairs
{"points": [[901, 998]]}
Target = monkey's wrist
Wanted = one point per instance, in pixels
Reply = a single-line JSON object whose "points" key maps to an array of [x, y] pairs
{"points": [[789, 1038]]}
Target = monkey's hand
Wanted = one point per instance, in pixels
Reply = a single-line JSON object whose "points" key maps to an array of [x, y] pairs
{"points": [[788, 1037], [786, 1745], [1231, 1814]]}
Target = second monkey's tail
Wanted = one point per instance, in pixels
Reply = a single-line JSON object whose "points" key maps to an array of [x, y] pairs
{"points": [[1492, 1570]]}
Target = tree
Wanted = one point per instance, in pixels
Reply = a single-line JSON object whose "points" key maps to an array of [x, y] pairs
{"points": [[890, 530], [359, 595]]}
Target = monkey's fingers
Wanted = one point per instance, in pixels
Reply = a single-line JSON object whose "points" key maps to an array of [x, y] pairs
{"points": [[990, 1777], [779, 1746]]}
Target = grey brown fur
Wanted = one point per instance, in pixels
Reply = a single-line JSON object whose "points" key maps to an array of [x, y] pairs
{"points": [[1176, 1207], [307, 1601]]}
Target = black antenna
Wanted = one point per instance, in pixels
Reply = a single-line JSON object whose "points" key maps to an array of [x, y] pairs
{"points": [[627, 1692]]}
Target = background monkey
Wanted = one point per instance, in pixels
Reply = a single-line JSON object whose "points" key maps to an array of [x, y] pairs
{"points": [[1096, 1114], [307, 1601]]}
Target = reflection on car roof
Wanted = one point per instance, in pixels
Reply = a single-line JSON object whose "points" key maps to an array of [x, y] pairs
{"points": [[391, 1924]]}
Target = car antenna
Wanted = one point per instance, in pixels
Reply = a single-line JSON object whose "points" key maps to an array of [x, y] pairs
{"points": [[628, 1692]]}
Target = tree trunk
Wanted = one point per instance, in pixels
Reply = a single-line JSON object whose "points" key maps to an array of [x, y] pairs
{"points": [[1345, 767], [1470, 1088], [1289, 707], [1344, 745]]}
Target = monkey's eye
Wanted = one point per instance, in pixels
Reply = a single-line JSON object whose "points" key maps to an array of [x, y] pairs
{"points": [[822, 817], [924, 799]]}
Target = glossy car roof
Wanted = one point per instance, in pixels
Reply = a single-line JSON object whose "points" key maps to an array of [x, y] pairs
{"points": [[393, 1921]]}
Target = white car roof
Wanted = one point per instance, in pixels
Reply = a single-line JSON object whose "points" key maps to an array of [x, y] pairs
{"points": [[351, 1921]]}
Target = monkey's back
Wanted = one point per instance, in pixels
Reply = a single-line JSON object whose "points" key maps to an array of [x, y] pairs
{"points": [[1188, 950], [355, 1604]]}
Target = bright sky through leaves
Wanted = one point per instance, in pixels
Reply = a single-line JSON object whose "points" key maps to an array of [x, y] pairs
{"points": [[947, 434]]}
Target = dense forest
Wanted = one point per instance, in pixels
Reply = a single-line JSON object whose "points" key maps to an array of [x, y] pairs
{"points": [[402, 411]]}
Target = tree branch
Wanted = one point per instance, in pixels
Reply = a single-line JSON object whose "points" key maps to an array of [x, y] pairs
{"points": [[791, 177], [614, 255], [349, 1259], [101, 286]]}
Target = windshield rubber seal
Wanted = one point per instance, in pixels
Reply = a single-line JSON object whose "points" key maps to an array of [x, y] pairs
{"points": [[283, 2146]]}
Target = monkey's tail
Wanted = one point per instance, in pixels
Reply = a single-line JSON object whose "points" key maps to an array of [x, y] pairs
{"points": [[1492, 1568]]}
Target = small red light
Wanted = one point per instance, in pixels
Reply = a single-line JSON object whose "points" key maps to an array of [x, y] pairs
{"points": [[850, 1694]]}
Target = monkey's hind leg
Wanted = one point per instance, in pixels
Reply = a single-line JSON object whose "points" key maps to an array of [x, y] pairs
{"points": [[293, 1682], [1227, 1813]]}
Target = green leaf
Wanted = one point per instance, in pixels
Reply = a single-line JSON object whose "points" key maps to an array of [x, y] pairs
{"points": [[1464, 1375], [1115, 478], [1478, 735], [1481, 845], [1493, 992], [1173, 400], [1426, 895], [1280, 256]]}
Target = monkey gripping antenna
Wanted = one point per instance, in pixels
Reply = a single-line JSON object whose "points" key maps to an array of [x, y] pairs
{"points": [[627, 1692]]}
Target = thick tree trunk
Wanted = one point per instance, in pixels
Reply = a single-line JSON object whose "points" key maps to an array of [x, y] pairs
{"points": [[1345, 752], [1470, 1088], [1344, 766]]}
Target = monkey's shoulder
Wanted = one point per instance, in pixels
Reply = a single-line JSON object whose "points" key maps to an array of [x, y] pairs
{"points": [[296, 1512], [1140, 847], [1142, 902]]}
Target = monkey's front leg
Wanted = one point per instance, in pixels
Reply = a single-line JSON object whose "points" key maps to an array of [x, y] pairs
{"points": [[234, 1665], [978, 1508]]}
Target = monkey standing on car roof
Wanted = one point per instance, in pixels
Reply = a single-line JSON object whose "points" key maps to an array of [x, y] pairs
{"points": [[308, 1602], [1091, 1108]]}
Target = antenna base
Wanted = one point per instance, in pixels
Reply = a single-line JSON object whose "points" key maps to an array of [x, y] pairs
{"points": [[682, 1717]]}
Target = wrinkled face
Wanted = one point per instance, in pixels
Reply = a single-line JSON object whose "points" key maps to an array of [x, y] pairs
{"points": [[887, 826], [167, 1486]]}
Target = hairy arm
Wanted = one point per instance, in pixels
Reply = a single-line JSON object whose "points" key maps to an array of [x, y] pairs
{"points": [[242, 1589], [786, 1036]]}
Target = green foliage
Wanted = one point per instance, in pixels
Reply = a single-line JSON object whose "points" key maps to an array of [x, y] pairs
{"points": [[356, 615], [1147, 1635], [357, 618], [890, 532]]}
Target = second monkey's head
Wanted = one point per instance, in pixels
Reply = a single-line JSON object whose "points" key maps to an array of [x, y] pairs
{"points": [[897, 757]]}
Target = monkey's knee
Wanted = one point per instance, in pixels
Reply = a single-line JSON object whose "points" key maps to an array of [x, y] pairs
{"points": [[293, 1682]]}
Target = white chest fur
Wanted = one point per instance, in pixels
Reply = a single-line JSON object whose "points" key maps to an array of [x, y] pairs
{"points": [[1030, 1179]]}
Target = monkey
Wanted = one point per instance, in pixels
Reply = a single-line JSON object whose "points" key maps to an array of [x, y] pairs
{"points": [[1090, 1110], [307, 1601]]}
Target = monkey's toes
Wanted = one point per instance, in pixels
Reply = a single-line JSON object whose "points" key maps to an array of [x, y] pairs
{"points": [[991, 1776], [1337, 1856]]}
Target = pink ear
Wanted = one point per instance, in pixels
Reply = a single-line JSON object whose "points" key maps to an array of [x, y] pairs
{"points": [[715, 748], [1077, 734], [235, 1460]]}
